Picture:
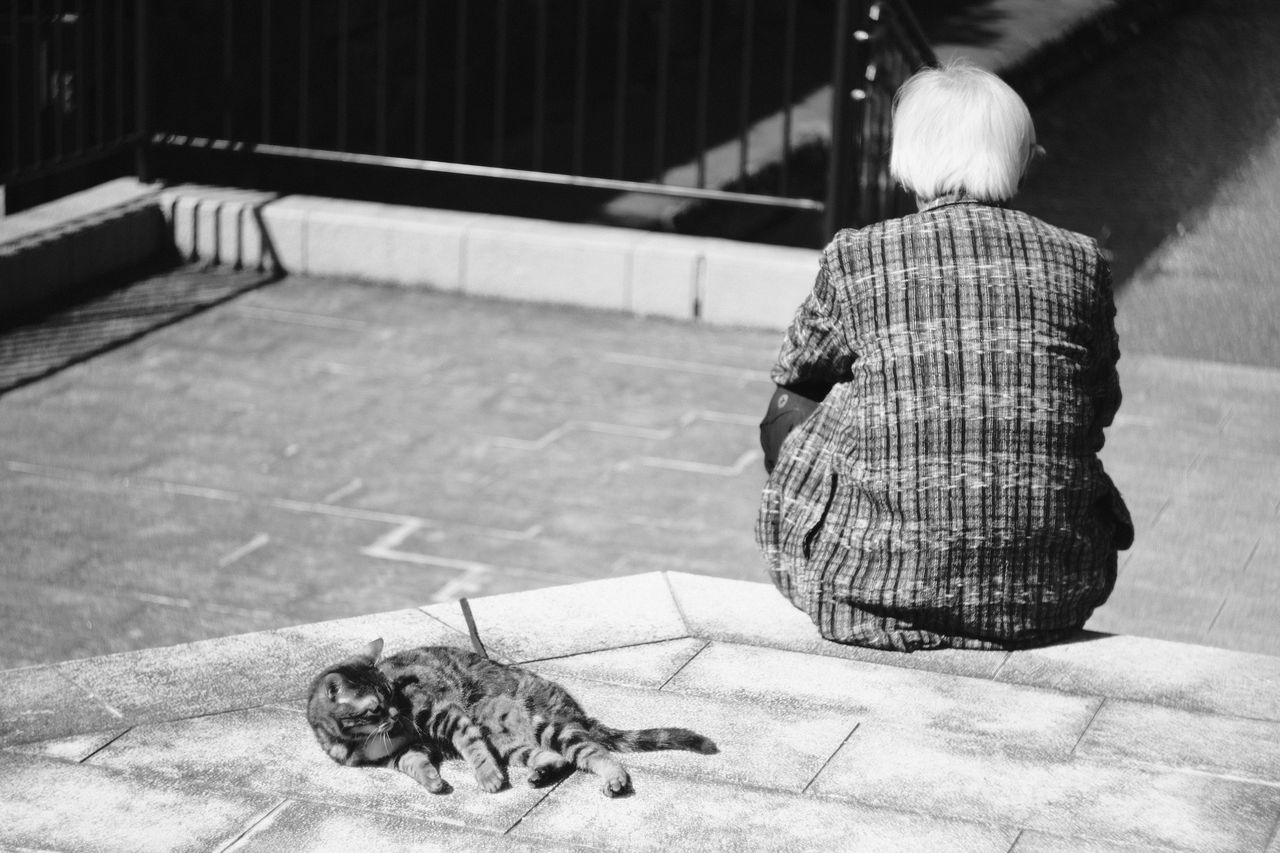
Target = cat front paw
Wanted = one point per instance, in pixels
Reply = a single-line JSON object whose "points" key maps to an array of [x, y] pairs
{"points": [[437, 785], [491, 780], [540, 776], [617, 784]]}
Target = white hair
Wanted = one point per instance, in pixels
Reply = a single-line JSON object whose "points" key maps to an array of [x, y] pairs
{"points": [[959, 129]]}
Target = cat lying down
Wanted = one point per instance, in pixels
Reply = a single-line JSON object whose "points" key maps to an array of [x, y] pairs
{"points": [[413, 709]]}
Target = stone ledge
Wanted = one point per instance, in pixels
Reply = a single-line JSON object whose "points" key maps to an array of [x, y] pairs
{"points": [[691, 278], [122, 224], [1094, 745], [52, 249]]}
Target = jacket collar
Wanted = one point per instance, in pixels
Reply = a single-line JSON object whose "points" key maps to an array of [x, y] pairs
{"points": [[956, 198]]}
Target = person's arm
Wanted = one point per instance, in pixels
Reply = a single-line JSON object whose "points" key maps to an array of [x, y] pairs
{"points": [[815, 353], [1105, 380], [814, 357], [1105, 391]]}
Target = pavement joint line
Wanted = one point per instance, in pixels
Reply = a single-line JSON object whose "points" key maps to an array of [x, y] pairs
{"points": [[110, 709], [1214, 620], [301, 318], [106, 744], [346, 491], [259, 541], [397, 519], [664, 523], [1096, 711], [378, 549], [546, 792], [675, 599], [1249, 559], [581, 426], [720, 418], [266, 818], [188, 604], [1274, 838], [689, 660], [466, 584], [738, 467], [678, 366], [830, 758], [685, 420], [1198, 772]]}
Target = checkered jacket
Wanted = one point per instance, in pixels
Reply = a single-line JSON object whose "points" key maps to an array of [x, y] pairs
{"points": [[947, 491]]}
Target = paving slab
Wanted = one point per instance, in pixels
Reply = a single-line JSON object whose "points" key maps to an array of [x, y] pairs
{"points": [[328, 829], [44, 703], [814, 749], [650, 665], [567, 620], [274, 752], [1168, 737], [750, 615], [52, 805], [880, 766], [1193, 678], [1019, 721], [800, 740], [1031, 841], [714, 816], [241, 671]]}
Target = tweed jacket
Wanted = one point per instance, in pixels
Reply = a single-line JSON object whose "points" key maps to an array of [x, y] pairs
{"points": [[948, 491]]}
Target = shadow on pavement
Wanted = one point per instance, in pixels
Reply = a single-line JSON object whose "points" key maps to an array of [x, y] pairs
{"points": [[110, 313], [1139, 145]]}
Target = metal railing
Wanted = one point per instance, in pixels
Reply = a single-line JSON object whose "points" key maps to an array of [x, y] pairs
{"points": [[630, 96], [75, 87]]}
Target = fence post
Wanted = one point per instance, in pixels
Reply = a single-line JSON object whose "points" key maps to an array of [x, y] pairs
{"points": [[142, 92], [846, 117]]}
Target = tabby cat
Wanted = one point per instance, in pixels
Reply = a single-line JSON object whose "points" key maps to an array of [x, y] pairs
{"points": [[414, 708]]}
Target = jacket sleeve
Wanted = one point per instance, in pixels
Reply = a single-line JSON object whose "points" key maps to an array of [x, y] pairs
{"points": [[815, 352], [1105, 385]]}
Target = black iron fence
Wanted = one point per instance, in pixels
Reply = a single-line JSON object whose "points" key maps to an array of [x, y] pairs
{"points": [[645, 96], [73, 73]]}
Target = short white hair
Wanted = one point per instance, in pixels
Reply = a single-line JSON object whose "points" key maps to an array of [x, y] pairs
{"points": [[959, 129]]}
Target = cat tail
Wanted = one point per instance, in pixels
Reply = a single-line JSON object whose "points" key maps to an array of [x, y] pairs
{"points": [[650, 740]]}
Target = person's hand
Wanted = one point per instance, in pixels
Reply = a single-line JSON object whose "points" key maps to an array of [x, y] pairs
{"points": [[787, 410]]}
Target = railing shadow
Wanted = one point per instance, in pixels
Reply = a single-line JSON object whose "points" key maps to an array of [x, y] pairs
{"points": [[1142, 142]]}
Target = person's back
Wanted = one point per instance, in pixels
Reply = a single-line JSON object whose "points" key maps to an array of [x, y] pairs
{"points": [[947, 491]]}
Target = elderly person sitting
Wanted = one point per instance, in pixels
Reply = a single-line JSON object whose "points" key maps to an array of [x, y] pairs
{"points": [[946, 491]]}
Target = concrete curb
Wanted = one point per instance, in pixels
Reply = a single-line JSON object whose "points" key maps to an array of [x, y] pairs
{"points": [[50, 250], [53, 249], [1107, 743], [689, 278]]}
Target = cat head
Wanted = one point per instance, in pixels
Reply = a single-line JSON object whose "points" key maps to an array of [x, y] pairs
{"points": [[352, 699]]}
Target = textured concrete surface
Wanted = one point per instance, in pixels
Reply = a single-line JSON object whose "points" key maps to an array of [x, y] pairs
{"points": [[817, 751], [318, 449]]}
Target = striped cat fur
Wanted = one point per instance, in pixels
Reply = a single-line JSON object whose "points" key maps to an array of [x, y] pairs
{"points": [[417, 707]]}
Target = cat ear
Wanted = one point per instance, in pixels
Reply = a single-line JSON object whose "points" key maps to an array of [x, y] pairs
{"points": [[373, 651]]}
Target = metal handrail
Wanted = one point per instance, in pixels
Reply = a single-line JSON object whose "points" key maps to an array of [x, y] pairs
{"points": [[890, 46], [471, 170], [262, 104]]}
